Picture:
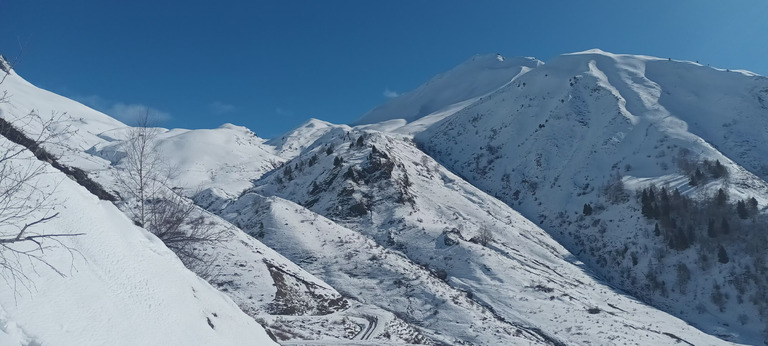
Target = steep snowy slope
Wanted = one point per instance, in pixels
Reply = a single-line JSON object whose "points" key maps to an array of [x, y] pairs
{"points": [[472, 79], [406, 227], [571, 143], [120, 284]]}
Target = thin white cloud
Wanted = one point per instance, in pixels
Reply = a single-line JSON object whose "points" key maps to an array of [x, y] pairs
{"points": [[283, 111], [221, 108], [130, 114], [93, 101], [390, 93]]}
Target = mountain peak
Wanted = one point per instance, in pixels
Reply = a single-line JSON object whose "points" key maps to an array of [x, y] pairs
{"points": [[477, 76]]}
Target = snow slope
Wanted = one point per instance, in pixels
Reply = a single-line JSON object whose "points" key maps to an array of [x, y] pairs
{"points": [[121, 285], [225, 158], [550, 142], [472, 79]]}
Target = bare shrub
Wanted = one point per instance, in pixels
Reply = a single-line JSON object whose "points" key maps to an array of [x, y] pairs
{"points": [[156, 206], [25, 197]]}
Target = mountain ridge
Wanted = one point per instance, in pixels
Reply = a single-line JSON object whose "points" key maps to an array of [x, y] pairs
{"points": [[404, 231]]}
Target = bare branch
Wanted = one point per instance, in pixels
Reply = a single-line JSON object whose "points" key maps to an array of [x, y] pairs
{"points": [[25, 194], [42, 220], [143, 176]]}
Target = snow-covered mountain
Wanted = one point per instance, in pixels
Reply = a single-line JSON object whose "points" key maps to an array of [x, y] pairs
{"points": [[506, 201], [595, 128], [406, 235]]}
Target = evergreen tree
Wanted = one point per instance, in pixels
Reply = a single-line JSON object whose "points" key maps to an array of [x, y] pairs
{"points": [[587, 210], [700, 177], [656, 230], [664, 207], [681, 239], [720, 170], [752, 205], [288, 172], [691, 234], [647, 208], [711, 231], [722, 256], [725, 228], [675, 201], [312, 160], [721, 198], [741, 209]]}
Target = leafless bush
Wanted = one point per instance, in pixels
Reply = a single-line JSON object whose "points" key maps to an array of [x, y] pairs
{"points": [[173, 219], [25, 197], [614, 191], [485, 237], [143, 175], [156, 206]]}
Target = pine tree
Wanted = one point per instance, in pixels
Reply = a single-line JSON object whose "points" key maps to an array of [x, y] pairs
{"points": [[720, 170], [721, 198], [587, 209], [725, 228], [288, 172], [647, 209], [691, 234], [664, 206], [675, 201], [681, 239], [711, 231], [741, 209], [656, 230], [752, 205], [722, 256], [700, 177]]}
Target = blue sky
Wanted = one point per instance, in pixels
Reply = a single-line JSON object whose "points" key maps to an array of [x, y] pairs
{"points": [[270, 65]]}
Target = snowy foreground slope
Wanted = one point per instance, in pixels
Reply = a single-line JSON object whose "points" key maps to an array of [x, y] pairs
{"points": [[121, 285]]}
